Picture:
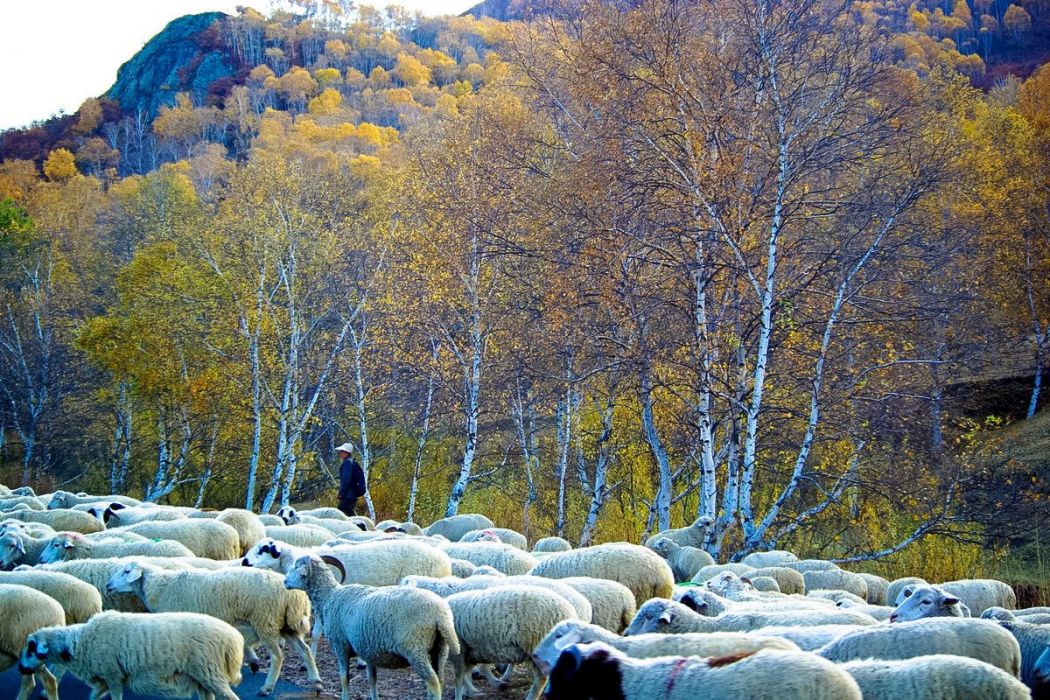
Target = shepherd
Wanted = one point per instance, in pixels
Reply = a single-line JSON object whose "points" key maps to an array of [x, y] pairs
{"points": [[351, 480]]}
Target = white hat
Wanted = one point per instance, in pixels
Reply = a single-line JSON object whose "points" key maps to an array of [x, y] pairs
{"points": [[345, 447]]}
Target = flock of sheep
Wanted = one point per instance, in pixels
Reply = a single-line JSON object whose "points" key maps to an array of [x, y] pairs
{"points": [[174, 601]]}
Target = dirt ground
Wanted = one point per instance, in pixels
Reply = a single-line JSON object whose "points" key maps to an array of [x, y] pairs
{"points": [[399, 684]]}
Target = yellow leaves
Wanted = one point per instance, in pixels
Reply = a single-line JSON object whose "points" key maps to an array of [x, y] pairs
{"points": [[378, 136], [327, 102], [89, 116], [410, 71], [327, 76], [296, 85], [60, 165]]}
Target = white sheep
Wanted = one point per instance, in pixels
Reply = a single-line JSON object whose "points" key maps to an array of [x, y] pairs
{"points": [[773, 557], [836, 579], [551, 544], [451, 585], [462, 568], [1033, 639], [834, 596], [166, 654], [79, 600], [299, 535], [693, 535], [805, 565], [881, 613], [896, 588], [668, 617], [456, 526], [390, 526], [596, 671], [701, 599], [60, 520], [502, 625], [933, 677], [612, 604], [269, 519], [1041, 671], [67, 546], [982, 593], [386, 627], [502, 534], [30, 502], [247, 524], [788, 580], [877, 589], [504, 558], [764, 584], [927, 601], [641, 569], [978, 639], [1038, 610], [65, 499], [684, 561], [253, 601], [646, 646], [809, 638], [119, 515], [24, 611], [324, 512], [28, 528], [205, 538], [369, 563], [713, 570]]}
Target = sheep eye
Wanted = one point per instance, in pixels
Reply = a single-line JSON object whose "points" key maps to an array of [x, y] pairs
{"points": [[925, 602]]}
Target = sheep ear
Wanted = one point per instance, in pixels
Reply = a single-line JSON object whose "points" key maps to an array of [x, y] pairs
{"points": [[948, 601], [65, 655], [68, 544], [117, 506], [135, 574], [665, 617], [746, 580], [41, 648], [20, 546]]}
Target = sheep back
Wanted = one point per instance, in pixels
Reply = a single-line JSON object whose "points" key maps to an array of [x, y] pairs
{"points": [[204, 538], [79, 600], [502, 557], [642, 570]]}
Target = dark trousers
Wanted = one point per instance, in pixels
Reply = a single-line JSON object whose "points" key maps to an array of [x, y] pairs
{"points": [[348, 505]]}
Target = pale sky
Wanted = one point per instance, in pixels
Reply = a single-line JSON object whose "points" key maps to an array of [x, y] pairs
{"points": [[57, 53]]}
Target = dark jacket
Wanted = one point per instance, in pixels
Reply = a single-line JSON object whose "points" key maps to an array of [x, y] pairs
{"points": [[351, 479]]}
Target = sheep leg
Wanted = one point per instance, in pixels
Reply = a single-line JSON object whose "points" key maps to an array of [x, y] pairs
{"points": [[430, 677], [373, 692], [461, 674], [315, 636], [343, 658], [504, 678], [312, 674], [220, 691], [538, 681], [50, 683], [28, 683], [276, 662]]}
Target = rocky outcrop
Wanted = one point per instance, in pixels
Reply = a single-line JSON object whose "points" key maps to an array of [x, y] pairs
{"points": [[184, 57]]}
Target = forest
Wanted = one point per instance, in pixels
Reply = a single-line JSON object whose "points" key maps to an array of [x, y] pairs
{"points": [[595, 273]]}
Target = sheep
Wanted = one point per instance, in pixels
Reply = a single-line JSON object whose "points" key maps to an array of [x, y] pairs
{"points": [[836, 579], [503, 557], [774, 557], [19, 548], [701, 599], [205, 538], [167, 654], [333, 525], [65, 499], [408, 528], [1041, 672], [978, 639], [596, 671], [933, 677], [503, 625], [70, 545], [60, 520], [551, 544], [809, 638], [79, 600], [646, 646], [788, 580], [386, 627], [298, 535], [462, 568], [253, 601], [504, 535], [881, 613], [30, 502], [246, 523], [24, 611], [455, 526], [684, 561], [28, 528], [1033, 639], [764, 584], [1023, 612], [642, 570], [835, 596], [269, 519], [980, 594], [369, 563], [877, 589], [668, 617], [805, 565], [927, 601], [897, 586], [732, 587], [451, 585], [119, 515], [325, 512], [713, 570], [5, 491], [692, 535], [612, 604]]}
